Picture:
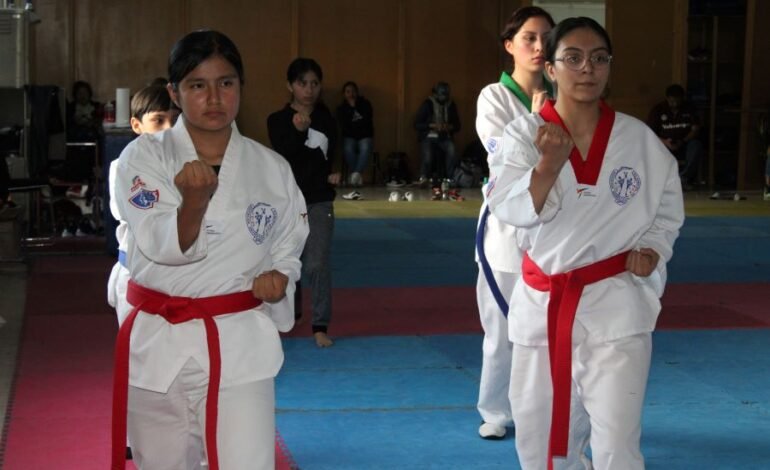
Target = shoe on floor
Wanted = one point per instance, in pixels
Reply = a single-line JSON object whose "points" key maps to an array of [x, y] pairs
{"points": [[491, 431], [352, 196]]}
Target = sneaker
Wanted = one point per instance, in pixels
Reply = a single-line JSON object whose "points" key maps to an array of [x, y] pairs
{"points": [[491, 431], [409, 196], [356, 179], [394, 196], [353, 196]]}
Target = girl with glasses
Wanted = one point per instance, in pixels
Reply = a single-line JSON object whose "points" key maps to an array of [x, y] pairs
{"points": [[597, 204]]}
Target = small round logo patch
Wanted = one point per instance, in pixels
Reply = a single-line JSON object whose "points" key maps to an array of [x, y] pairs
{"points": [[260, 218], [625, 183]]}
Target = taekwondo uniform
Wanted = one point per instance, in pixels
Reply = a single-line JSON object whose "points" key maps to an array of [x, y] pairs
{"points": [[498, 104], [255, 222], [117, 284], [626, 195]]}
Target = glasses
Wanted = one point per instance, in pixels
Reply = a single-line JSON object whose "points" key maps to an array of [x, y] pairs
{"points": [[576, 62]]}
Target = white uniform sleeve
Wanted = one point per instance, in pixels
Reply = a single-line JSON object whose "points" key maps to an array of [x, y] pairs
{"points": [[148, 199], [286, 250], [111, 184], [665, 228], [508, 194], [491, 117]]}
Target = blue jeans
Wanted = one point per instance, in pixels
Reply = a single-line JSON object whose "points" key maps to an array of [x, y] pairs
{"points": [[357, 153], [692, 152], [428, 147], [316, 267]]}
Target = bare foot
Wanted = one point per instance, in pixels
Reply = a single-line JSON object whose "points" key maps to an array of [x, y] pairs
{"points": [[322, 340]]}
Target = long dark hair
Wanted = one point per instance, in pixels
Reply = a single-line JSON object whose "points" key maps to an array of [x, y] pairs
{"points": [[300, 66], [195, 48], [567, 26], [519, 17]]}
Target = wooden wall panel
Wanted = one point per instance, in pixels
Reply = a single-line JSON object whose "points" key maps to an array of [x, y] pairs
{"points": [[642, 35], [261, 31], [123, 43], [52, 38]]}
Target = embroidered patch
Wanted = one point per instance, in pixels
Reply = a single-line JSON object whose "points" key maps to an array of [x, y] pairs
{"points": [[144, 198], [136, 183], [491, 145], [260, 218], [624, 184]]}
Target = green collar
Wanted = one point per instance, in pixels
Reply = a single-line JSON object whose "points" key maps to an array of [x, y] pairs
{"points": [[509, 83]]}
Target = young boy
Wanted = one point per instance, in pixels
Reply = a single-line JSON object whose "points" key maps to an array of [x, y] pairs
{"points": [[151, 111]]}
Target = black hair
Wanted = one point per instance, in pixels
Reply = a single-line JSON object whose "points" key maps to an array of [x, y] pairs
{"points": [[80, 84], [195, 48], [519, 17], [349, 83], [675, 91], [568, 25], [150, 99], [302, 65]]}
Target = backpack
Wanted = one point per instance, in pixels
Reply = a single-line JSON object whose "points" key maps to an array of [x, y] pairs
{"points": [[468, 174]]}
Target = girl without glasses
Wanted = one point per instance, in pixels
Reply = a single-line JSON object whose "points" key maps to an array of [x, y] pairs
{"points": [[596, 201], [304, 132], [215, 229], [515, 94]]}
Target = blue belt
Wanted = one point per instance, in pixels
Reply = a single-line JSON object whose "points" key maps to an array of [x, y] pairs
{"points": [[485, 268], [122, 258]]}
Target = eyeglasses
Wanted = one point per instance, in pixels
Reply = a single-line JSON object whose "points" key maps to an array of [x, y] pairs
{"points": [[576, 62]]}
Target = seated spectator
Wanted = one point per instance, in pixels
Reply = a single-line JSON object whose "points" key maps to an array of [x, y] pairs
{"points": [[84, 115], [355, 117], [677, 124], [436, 123]]}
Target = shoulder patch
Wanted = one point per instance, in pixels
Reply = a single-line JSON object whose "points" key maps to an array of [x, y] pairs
{"points": [[144, 198]]}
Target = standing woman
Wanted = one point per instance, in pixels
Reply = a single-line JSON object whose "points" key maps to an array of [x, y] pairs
{"points": [[304, 132], [215, 229], [597, 204], [516, 94], [355, 116]]}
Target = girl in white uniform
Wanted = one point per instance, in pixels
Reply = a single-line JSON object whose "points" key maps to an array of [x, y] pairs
{"points": [[597, 204], [499, 258], [216, 225]]}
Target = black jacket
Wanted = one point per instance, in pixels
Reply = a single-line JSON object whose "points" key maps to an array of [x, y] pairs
{"points": [[356, 121], [310, 166], [425, 117]]}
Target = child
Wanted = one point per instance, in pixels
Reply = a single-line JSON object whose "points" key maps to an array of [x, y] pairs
{"points": [[216, 225], [151, 112]]}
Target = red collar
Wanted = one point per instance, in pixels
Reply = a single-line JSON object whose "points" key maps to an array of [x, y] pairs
{"points": [[586, 172]]}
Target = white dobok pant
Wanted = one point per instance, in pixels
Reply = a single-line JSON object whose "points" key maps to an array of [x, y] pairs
{"points": [[609, 380], [493, 404], [167, 430]]}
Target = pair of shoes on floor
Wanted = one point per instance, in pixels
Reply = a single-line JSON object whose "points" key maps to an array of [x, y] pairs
{"points": [[491, 431], [353, 196], [395, 196]]}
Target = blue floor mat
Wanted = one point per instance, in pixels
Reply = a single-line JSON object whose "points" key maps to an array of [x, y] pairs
{"points": [[409, 402]]}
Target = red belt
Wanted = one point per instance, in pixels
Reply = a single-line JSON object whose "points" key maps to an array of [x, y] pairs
{"points": [[566, 290], [174, 310]]}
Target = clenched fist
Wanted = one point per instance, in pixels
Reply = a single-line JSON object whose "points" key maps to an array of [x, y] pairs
{"points": [[270, 286], [197, 183], [301, 121], [539, 98], [642, 262], [555, 146]]}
